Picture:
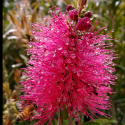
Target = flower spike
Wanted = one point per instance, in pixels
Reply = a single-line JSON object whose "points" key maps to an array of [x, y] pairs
{"points": [[70, 68]]}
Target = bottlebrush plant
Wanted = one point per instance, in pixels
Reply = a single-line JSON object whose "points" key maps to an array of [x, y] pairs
{"points": [[70, 67]]}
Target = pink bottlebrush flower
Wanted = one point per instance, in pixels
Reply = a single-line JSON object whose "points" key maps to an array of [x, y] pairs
{"points": [[88, 14], [73, 14], [68, 67], [69, 7], [84, 24]]}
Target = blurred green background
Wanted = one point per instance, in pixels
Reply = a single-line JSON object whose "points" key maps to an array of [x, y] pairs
{"points": [[18, 16]]}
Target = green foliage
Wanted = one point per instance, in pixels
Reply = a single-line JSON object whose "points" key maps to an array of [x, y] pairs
{"points": [[91, 123], [64, 112], [89, 6], [65, 122]]}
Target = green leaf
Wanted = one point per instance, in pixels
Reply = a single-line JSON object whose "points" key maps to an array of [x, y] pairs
{"points": [[91, 123], [33, 122], [102, 121], [10, 74], [64, 112], [6, 46], [42, 2], [113, 121], [55, 122], [82, 119], [22, 123], [65, 122], [5, 73], [89, 6], [75, 4]]}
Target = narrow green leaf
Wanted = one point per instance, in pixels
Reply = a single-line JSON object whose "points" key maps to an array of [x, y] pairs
{"points": [[6, 46], [102, 121], [65, 122], [23, 122], [64, 112], [33, 122], [55, 122], [82, 119], [10, 74], [113, 121], [75, 4], [89, 6], [5, 73], [42, 2], [91, 123]]}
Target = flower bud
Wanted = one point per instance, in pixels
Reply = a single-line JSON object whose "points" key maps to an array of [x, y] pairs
{"points": [[88, 14], [73, 14], [84, 24], [69, 7]]}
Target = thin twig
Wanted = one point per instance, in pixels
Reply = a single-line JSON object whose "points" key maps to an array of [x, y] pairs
{"points": [[59, 120]]}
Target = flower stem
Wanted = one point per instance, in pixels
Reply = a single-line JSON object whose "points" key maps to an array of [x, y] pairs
{"points": [[80, 5], [59, 120]]}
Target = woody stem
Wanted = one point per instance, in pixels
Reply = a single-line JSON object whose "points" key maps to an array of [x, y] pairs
{"points": [[59, 120]]}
